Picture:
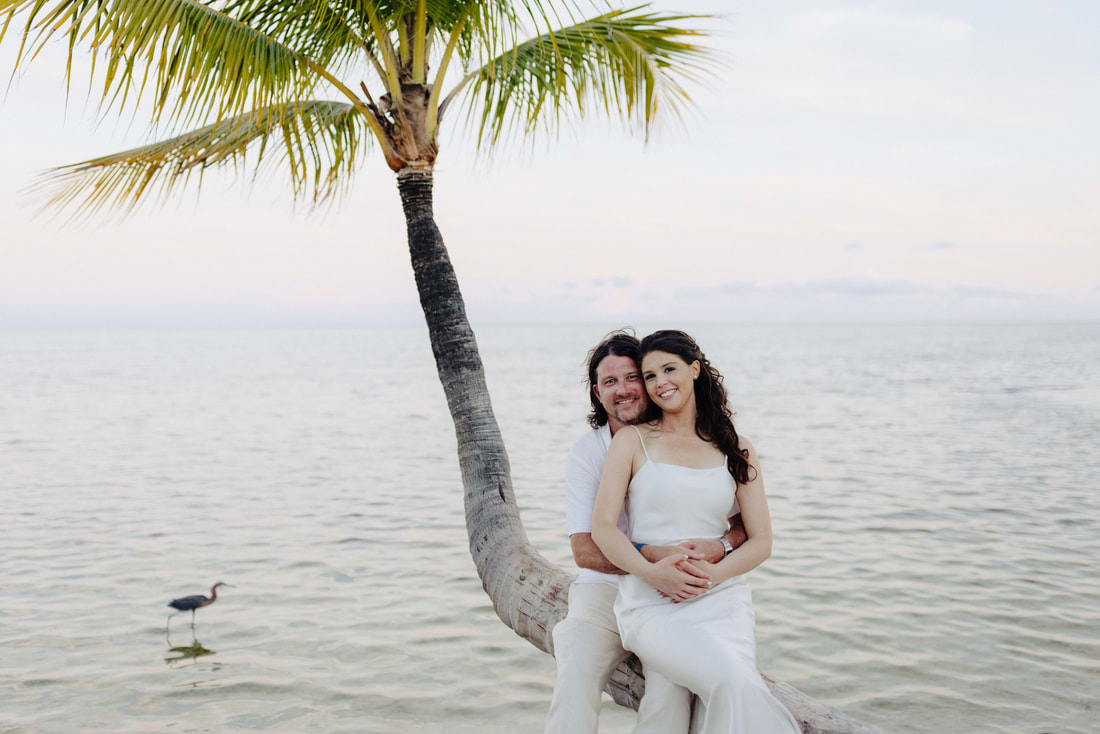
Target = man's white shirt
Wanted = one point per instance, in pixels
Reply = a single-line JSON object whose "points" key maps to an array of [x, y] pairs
{"points": [[583, 469]]}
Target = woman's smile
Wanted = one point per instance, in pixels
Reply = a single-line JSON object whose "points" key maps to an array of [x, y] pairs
{"points": [[669, 380]]}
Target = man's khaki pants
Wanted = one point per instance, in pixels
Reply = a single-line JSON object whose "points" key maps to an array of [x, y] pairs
{"points": [[587, 648]]}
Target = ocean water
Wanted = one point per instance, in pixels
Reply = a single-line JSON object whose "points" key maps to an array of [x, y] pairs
{"points": [[933, 491]]}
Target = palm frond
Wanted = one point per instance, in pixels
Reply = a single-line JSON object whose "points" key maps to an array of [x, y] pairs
{"points": [[331, 32], [631, 63], [317, 142], [200, 62]]}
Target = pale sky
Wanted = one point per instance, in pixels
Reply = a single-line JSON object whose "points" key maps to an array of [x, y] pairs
{"points": [[854, 161]]}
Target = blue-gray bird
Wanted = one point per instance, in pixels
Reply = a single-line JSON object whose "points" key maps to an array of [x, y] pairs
{"points": [[191, 603]]}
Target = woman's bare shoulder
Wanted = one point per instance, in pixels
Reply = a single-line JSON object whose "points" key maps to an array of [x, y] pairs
{"points": [[630, 438], [624, 439], [623, 435]]}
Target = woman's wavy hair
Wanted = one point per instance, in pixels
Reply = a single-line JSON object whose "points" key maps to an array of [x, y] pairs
{"points": [[714, 419], [619, 343]]}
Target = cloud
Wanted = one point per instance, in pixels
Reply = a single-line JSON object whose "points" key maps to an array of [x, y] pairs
{"points": [[875, 298], [853, 286], [857, 287], [739, 288], [615, 281], [840, 286], [941, 245], [964, 290], [853, 246]]}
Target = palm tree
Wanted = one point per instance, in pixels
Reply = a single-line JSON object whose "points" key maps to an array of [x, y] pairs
{"points": [[235, 80]]}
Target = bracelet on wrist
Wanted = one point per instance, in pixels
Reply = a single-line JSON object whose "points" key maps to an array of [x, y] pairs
{"points": [[638, 547]]}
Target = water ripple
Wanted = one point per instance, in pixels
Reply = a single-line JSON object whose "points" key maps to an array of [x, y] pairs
{"points": [[932, 489]]}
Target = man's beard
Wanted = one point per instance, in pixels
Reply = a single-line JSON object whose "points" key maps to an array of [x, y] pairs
{"points": [[631, 415]]}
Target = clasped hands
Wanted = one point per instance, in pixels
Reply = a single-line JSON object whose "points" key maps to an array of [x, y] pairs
{"points": [[681, 572]]}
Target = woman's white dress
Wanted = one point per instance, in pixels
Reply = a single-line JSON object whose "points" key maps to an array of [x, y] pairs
{"points": [[706, 644]]}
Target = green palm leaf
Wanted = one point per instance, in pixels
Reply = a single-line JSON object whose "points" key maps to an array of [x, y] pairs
{"points": [[201, 63], [630, 64], [332, 33], [318, 142], [238, 71]]}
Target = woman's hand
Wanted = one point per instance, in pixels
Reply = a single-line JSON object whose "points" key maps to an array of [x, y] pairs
{"points": [[713, 571], [677, 578]]}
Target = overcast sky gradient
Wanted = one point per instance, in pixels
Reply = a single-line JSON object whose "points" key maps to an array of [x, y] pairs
{"points": [[855, 161]]}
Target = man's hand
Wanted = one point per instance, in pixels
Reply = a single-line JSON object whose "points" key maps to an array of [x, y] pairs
{"points": [[710, 551], [656, 553]]}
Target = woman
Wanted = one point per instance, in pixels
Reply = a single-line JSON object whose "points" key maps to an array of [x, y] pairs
{"points": [[684, 474]]}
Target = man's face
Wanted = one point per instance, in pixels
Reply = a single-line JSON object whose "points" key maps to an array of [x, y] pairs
{"points": [[620, 390]]}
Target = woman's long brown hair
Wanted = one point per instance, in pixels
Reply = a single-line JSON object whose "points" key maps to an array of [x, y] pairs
{"points": [[714, 419]]}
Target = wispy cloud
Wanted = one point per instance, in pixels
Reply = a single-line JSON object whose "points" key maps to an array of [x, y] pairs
{"points": [[964, 290], [738, 288], [856, 286], [840, 286], [615, 281], [859, 287]]}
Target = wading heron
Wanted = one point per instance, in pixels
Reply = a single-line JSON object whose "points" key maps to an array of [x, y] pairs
{"points": [[191, 603]]}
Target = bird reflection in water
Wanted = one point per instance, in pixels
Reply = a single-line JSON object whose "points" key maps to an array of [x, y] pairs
{"points": [[186, 655]]}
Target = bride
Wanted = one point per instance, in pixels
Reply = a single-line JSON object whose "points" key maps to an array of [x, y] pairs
{"points": [[681, 476]]}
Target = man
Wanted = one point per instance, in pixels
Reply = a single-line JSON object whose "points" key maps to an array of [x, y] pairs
{"points": [[586, 643]]}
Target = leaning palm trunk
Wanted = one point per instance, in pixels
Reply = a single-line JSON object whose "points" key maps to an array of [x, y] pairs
{"points": [[528, 592]]}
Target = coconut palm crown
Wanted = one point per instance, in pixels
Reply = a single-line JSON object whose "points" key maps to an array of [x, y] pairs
{"points": [[234, 83]]}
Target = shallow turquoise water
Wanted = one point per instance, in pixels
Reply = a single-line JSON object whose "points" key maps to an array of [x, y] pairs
{"points": [[933, 491]]}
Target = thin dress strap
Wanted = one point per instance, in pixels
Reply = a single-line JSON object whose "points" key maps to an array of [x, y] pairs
{"points": [[643, 442]]}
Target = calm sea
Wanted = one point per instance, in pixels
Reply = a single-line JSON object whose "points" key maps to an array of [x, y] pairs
{"points": [[933, 490]]}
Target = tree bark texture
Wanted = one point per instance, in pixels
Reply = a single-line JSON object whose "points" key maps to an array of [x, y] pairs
{"points": [[529, 594]]}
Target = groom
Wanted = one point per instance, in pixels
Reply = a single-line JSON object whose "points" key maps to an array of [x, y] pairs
{"points": [[586, 643]]}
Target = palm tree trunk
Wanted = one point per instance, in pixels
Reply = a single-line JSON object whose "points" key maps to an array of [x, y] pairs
{"points": [[529, 594]]}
